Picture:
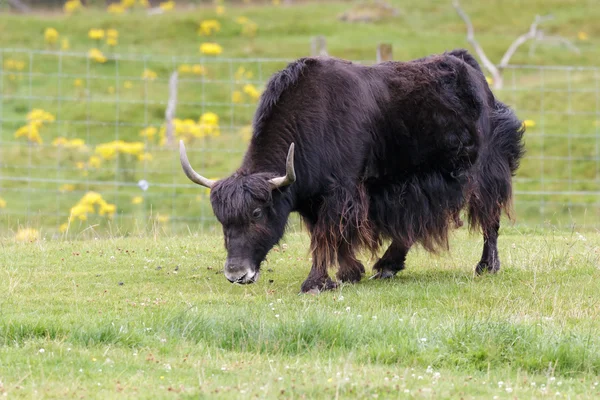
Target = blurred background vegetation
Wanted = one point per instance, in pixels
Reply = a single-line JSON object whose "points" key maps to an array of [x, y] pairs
{"points": [[84, 87]]}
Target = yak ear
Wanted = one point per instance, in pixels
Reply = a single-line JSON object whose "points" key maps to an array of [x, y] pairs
{"points": [[290, 172]]}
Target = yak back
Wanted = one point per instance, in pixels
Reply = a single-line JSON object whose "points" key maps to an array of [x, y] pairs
{"points": [[352, 122]]}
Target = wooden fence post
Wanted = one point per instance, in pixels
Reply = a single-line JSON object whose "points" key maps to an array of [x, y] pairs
{"points": [[384, 52], [318, 46]]}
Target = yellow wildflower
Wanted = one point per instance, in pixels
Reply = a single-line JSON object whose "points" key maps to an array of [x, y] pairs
{"points": [[63, 227], [148, 132], [582, 36], [184, 69], [149, 75], [127, 84], [220, 10], [246, 133], [107, 209], [127, 3], [67, 187], [51, 35], [112, 42], [242, 20], [64, 44], [209, 27], [167, 5], [96, 34], [529, 123], [111, 90], [95, 162], [80, 165], [145, 3], [39, 116], [209, 118], [112, 33], [236, 97], [97, 56], [31, 132], [162, 218], [27, 235], [489, 80], [198, 69], [137, 200], [115, 9], [242, 73], [78, 83], [71, 6], [251, 91], [2, 203], [212, 49]]}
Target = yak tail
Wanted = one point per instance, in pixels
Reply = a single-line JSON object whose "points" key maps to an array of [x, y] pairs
{"points": [[497, 163]]}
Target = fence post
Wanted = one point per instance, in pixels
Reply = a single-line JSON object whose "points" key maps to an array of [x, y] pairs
{"points": [[318, 46], [384, 52]]}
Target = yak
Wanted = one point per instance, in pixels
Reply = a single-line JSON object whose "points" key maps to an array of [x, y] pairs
{"points": [[385, 153]]}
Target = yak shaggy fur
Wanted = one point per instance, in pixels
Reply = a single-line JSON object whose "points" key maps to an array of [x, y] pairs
{"points": [[385, 153]]}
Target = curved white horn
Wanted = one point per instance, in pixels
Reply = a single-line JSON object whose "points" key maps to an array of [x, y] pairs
{"points": [[290, 173], [189, 171]]}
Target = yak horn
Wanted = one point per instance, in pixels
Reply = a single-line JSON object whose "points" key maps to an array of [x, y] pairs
{"points": [[290, 173], [189, 171]]}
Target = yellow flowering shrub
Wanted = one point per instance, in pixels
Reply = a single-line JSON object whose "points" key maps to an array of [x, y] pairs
{"points": [[75, 143], [251, 91], [189, 130], [149, 75], [72, 6], [91, 203], [96, 34], [27, 235], [67, 187], [13, 65], [115, 9], [149, 133], [51, 36], [167, 5], [97, 56], [211, 49], [209, 27], [36, 119]]}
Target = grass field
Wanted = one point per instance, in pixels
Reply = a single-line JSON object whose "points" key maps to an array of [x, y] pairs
{"points": [[155, 318], [101, 102]]}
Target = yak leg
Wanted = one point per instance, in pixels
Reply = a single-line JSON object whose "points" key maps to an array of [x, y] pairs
{"points": [[318, 279], [489, 258], [392, 261], [350, 269]]}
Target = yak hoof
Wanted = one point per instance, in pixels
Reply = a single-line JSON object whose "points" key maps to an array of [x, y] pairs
{"points": [[316, 287], [385, 274], [484, 267]]}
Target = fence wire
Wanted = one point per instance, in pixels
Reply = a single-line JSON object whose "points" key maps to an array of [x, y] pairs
{"points": [[72, 124]]}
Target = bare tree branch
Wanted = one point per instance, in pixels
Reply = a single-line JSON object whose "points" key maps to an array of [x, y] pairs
{"points": [[534, 35], [497, 76], [170, 111]]}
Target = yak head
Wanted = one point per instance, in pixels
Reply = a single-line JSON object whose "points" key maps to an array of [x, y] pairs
{"points": [[253, 211]]}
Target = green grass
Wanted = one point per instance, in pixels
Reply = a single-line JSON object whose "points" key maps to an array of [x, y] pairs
{"points": [[154, 317], [561, 167]]}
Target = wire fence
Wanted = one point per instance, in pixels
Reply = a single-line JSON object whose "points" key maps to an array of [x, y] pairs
{"points": [[83, 139]]}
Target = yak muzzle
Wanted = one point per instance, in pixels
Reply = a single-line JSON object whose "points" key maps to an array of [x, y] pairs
{"points": [[240, 273]]}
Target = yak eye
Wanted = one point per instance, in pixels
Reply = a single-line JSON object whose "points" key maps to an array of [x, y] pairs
{"points": [[257, 213]]}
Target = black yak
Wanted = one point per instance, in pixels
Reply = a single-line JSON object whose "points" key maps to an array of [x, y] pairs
{"points": [[385, 153]]}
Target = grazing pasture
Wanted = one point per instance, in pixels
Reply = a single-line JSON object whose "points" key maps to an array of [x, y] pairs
{"points": [[156, 318]]}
